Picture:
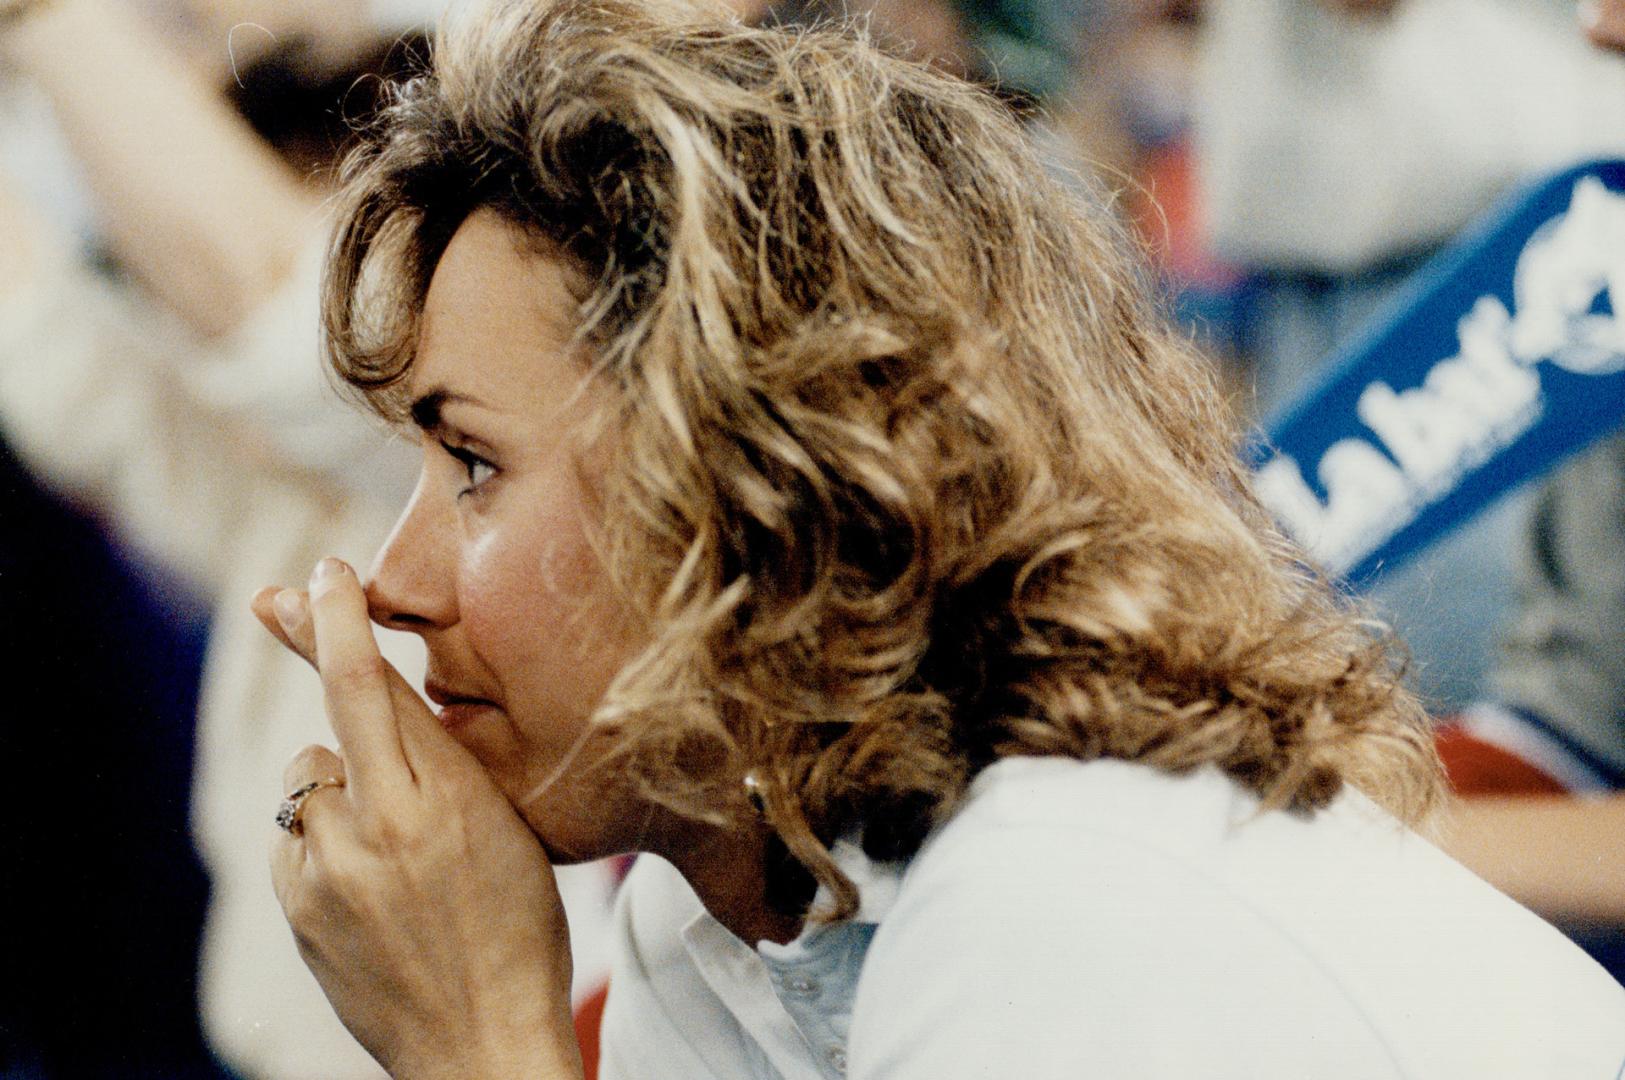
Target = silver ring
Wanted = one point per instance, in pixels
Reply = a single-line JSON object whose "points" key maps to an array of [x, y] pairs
{"points": [[287, 814]]}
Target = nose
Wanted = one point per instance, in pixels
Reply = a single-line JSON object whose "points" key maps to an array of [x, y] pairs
{"points": [[412, 583]]}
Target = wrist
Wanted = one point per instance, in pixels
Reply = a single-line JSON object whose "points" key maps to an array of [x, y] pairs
{"points": [[536, 1049], [530, 1063]]}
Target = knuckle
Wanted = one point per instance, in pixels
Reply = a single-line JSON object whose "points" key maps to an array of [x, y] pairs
{"points": [[297, 905], [390, 833], [310, 763], [326, 886], [341, 879], [298, 890], [356, 670]]}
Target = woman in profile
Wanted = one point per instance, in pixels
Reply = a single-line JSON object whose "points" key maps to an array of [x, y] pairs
{"points": [[811, 499]]}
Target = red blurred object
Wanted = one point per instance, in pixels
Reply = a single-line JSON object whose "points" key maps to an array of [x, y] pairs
{"points": [[1166, 211], [589, 1016], [1476, 767]]}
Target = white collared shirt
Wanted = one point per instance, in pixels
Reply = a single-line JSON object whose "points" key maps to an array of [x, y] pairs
{"points": [[697, 1001], [1103, 919]]}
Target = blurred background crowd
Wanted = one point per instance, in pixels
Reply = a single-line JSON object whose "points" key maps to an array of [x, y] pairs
{"points": [[168, 441]]}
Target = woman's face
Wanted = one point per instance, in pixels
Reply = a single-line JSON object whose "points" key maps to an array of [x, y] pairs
{"points": [[489, 563]]}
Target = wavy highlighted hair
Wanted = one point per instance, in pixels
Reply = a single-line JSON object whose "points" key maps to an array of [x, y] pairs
{"points": [[907, 474]]}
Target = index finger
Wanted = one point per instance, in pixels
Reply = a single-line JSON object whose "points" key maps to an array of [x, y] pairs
{"points": [[355, 682]]}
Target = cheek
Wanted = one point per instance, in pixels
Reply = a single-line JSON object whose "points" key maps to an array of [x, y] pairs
{"points": [[497, 600], [529, 608], [506, 595]]}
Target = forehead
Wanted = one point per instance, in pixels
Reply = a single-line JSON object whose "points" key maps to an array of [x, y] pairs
{"points": [[497, 321]]}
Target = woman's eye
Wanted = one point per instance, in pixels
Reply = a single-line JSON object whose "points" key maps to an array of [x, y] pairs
{"points": [[478, 469], [479, 472]]}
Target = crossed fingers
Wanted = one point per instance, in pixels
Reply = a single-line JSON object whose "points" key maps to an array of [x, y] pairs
{"points": [[386, 733]]}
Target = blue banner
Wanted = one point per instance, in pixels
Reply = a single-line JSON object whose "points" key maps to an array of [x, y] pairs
{"points": [[1505, 356]]}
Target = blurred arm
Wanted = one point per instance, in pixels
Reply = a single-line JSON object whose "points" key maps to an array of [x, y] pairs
{"points": [[90, 400], [201, 210], [1562, 856]]}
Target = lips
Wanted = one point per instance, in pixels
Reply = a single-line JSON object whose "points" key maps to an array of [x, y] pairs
{"points": [[454, 707]]}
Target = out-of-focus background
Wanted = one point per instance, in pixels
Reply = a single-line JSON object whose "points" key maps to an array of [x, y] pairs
{"points": [[167, 441]]}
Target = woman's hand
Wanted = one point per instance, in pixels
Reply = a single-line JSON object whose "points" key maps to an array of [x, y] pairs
{"points": [[423, 904]]}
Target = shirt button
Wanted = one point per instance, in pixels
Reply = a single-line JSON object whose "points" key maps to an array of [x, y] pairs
{"points": [[801, 985], [836, 1056]]}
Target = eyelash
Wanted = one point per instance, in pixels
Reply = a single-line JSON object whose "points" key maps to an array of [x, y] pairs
{"points": [[471, 463]]}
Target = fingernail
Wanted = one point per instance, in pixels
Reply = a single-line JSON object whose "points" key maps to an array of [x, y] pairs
{"points": [[328, 571], [290, 609]]}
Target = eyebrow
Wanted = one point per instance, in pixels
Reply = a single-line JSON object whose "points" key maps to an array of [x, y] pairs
{"points": [[426, 410]]}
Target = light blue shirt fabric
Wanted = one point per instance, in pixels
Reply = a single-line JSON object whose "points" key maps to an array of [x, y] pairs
{"points": [[1106, 920]]}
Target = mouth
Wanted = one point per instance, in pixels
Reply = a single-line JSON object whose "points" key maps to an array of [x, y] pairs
{"points": [[454, 708]]}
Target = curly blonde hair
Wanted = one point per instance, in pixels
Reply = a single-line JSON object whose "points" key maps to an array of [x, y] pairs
{"points": [[907, 473]]}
